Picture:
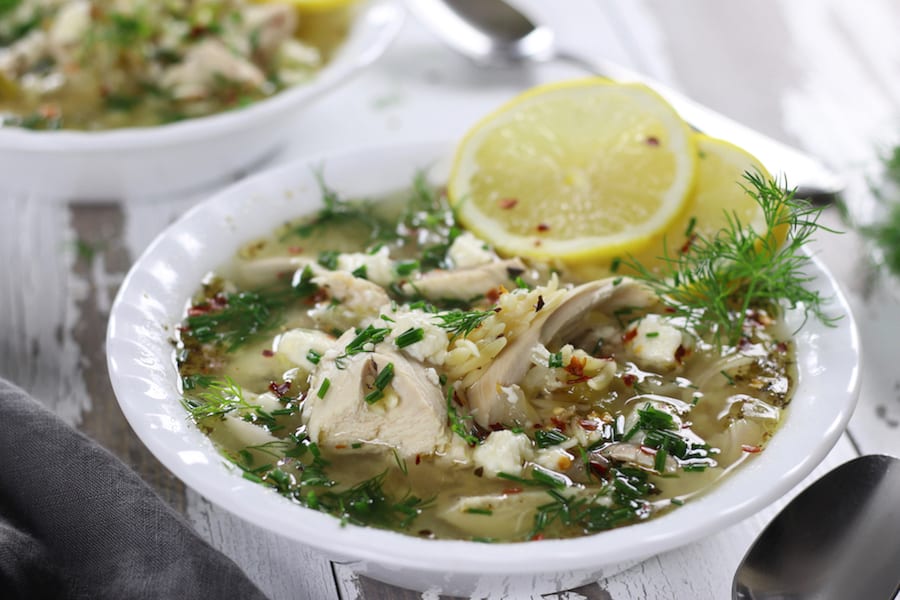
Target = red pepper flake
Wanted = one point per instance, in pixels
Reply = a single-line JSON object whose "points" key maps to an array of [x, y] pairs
{"points": [[629, 335], [340, 446], [456, 399], [559, 423], [199, 309], [512, 490], [542, 227], [588, 425], [751, 449], [575, 368], [479, 471], [744, 343], [598, 468], [280, 389], [493, 295], [539, 304], [320, 295], [295, 250], [670, 309], [629, 379], [648, 450], [496, 427], [418, 459], [537, 537], [653, 141], [268, 353], [782, 347], [219, 301], [507, 203], [688, 243], [680, 353]]}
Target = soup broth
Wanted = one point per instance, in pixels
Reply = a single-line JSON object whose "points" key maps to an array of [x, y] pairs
{"points": [[380, 363]]}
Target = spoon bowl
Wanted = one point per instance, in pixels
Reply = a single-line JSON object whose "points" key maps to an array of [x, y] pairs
{"points": [[840, 538], [493, 33]]}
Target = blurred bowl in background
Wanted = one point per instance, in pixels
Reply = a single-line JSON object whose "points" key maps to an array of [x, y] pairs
{"points": [[145, 161]]}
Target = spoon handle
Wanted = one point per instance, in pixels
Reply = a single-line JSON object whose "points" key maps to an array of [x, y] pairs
{"points": [[813, 180]]}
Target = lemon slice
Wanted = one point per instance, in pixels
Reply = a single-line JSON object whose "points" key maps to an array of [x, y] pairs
{"points": [[718, 192], [579, 170]]}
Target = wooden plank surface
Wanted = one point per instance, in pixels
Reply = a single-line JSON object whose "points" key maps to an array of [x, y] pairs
{"points": [[820, 74]]}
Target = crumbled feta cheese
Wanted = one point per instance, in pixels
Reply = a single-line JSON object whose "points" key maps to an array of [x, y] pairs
{"points": [[554, 458], [503, 452], [432, 347], [379, 267], [468, 251], [295, 346], [655, 343]]}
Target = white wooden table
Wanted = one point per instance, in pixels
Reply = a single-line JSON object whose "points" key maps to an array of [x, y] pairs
{"points": [[823, 75]]}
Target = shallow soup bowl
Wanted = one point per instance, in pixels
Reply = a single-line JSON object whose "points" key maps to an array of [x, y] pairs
{"points": [[156, 292], [181, 156]]}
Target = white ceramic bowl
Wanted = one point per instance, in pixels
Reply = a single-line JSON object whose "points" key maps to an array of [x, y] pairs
{"points": [[155, 293], [123, 163]]}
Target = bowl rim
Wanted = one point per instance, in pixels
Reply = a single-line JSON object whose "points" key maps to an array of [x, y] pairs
{"points": [[780, 467], [377, 24]]}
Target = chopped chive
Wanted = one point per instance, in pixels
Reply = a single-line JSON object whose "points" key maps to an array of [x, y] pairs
{"points": [[659, 463], [479, 511], [313, 356], [555, 361], [521, 283], [549, 437], [356, 445], [617, 281], [381, 382], [323, 389], [652, 334], [615, 264], [329, 259], [728, 377], [360, 272], [409, 337], [406, 267]]}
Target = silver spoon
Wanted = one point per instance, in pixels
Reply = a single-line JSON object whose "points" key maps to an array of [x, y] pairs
{"points": [[839, 539], [493, 33]]}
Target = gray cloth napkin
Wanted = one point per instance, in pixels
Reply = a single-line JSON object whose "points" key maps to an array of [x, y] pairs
{"points": [[75, 522]]}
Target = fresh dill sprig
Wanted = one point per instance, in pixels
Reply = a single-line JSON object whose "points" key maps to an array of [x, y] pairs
{"points": [[220, 398], [462, 322], [718, 279], [336, 211], [232, 319], [458, 423], [885, 234]]}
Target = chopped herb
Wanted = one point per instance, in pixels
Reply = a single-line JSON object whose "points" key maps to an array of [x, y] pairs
{"points": [[721, 277], [521, 283], [361, 272], [329, 259], [555, 361], [479, 511], [370, 335], [728, 377], [690, 228], [652, 334], [382, 380], [313, 356], [615, 264], [462, 323], [409, 337], [191, 382], [232, 319], [406, 267], [323, 389], [458, 422], [545, 438]]}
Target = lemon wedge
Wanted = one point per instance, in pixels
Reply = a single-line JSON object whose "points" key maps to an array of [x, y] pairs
{"points": [[718, 193], [577, 171]]}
